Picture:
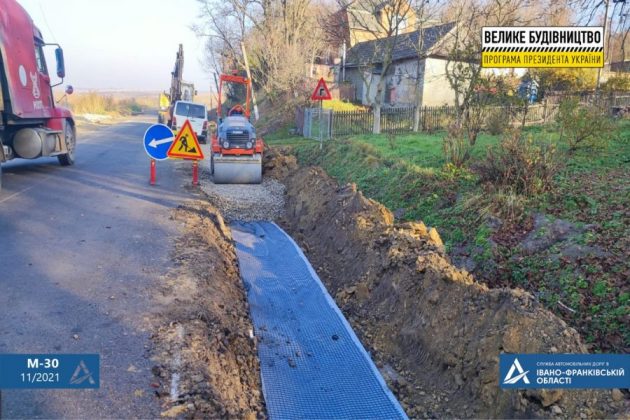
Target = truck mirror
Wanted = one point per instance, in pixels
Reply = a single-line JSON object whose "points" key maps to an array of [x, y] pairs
{"points": [[61, 67], [69, 90]]}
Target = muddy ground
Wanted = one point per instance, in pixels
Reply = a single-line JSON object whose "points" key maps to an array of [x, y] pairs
{"points": [[435, 333], [204, 354]]}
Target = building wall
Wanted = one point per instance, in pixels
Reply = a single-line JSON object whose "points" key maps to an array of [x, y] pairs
{"points": [[436, 89], [400, 86], [402, 80], [353, 76]]}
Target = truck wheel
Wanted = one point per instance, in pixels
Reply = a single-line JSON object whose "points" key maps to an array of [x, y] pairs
{"points": [[71, 142]]}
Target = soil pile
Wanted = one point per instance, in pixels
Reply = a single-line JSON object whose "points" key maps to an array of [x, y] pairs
{"points": [[435, 333], [205, 353]]}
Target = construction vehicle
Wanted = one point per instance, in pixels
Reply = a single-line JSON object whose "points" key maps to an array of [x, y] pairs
{"points": [[31, 124], [236, 156], [180, 91]]}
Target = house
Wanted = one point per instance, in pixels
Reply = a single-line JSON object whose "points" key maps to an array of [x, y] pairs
{"points": [[368, 20], [416, 64]]}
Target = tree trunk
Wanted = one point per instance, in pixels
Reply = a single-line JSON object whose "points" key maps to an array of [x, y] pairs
{"points": [[376, 127], [378, 103], [416, 112], [416, 116]]}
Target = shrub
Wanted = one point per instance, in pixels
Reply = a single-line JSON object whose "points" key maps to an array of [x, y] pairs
{"points": [[456, 146], [584, 125], [392, 140], [519, 164], [616, 84], [497, 121]]}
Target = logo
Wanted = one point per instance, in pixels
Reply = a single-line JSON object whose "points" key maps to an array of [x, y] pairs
{"points": [[82, 374], [22, 75], [510, 379], [35, 80]]}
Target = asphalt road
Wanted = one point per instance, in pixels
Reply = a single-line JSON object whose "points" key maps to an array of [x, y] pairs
{"points": [[81, 250]]}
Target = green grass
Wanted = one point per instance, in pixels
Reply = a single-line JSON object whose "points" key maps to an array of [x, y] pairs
{"points": [[409, 173]]}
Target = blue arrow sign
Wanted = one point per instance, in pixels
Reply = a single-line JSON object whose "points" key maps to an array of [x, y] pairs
{"points": [[157, 140]]}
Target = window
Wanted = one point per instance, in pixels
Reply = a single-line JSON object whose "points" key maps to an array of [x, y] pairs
{"points": [[190, 110], [401, 23], [39, 58]]}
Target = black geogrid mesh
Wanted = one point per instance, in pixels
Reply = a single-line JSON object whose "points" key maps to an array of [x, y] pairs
{"points": [[312, 364]]}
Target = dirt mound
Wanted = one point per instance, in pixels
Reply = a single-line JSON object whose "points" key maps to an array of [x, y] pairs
{"points": [[434, 331], [205, 353]]}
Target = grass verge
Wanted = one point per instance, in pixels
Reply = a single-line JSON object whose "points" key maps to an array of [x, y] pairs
{"points": [[581, 276]]}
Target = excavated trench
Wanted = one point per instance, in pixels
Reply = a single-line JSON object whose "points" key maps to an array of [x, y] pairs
{"points": [[433, 332]]}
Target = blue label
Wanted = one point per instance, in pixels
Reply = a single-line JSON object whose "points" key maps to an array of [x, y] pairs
{"points": [[564, 370], [49, 371], [157, 141]]}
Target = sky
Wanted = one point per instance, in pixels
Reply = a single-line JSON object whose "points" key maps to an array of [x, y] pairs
{"points": [[122, 44]]}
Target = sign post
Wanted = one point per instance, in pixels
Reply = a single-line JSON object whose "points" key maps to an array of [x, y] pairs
{"points": [[195, 174], [186, 146], [152, 175], [321, 93], [157, 140]]}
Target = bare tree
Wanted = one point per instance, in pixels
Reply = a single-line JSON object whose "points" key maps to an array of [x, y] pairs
{"points": [[463, 70], [281, 37], [380, 22], [425, 11], [616, 22]]}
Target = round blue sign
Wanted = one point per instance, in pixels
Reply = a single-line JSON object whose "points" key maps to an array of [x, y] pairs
{"points": [[157, 141]]}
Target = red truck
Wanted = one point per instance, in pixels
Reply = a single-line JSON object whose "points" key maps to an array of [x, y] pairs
{"points": [[31, 124]]}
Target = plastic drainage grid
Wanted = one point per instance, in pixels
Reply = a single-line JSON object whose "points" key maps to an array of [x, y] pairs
{"points": [[313, 366]]}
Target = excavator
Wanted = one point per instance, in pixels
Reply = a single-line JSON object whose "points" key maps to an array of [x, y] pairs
{"points": [[237, 152], [179, 91]]}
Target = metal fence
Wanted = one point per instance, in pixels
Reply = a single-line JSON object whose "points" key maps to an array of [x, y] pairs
{"points": [[317, 123]]}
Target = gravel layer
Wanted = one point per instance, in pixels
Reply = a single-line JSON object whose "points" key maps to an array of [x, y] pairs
{"points": [[245, 202]]}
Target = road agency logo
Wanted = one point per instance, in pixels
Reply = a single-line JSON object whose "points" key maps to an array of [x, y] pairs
{"points": [[564, 371], [515, 374], [82, 374]]}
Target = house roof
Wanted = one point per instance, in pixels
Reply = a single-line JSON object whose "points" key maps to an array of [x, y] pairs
{"points": [[371, 52]]}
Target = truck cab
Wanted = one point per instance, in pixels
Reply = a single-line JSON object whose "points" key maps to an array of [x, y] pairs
{"points": [[31, 124]]}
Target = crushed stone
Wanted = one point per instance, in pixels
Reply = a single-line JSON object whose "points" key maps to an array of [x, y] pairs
{"points": [[245, 202]]}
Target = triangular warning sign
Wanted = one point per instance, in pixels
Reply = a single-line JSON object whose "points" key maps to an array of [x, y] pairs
{"points": [[321, 92], [186, 145]]}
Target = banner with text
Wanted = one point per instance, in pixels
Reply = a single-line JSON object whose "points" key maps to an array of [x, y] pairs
{"points": [[49, 371], [546, 46], [564, 370]]}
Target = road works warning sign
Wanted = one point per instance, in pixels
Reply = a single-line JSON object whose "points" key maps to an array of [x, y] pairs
{"points": [[552, 46], [186, 145]]}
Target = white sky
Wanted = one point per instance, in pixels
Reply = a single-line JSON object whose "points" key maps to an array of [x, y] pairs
{"points": [[122, 44]]}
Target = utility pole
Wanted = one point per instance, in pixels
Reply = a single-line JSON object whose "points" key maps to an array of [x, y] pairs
{"points": [[599, 70], [343, 63], [251, 82]]}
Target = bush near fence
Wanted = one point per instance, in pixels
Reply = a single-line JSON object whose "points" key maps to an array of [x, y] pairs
{"points": [[398, 120]]}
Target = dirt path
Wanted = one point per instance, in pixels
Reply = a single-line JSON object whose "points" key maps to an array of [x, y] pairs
{"points": [[204, 349]]}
